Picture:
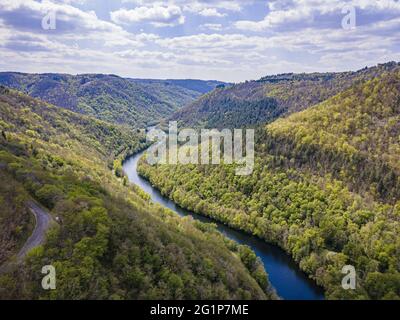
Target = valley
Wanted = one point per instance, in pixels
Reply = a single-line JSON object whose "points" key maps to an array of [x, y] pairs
{"points": [[324, 186], [323, 193], [133, 102], [288, 281], [185, 158], [111, 242]]}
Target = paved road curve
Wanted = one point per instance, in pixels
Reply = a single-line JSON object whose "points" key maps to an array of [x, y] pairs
{"points": [[43, 219]]}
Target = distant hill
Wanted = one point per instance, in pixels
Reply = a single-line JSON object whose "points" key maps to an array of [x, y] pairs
{"points": [[109, 97], [202, 86], [256, 102]]}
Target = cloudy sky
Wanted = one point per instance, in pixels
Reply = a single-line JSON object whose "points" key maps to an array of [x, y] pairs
{"points": [[231, 40]]}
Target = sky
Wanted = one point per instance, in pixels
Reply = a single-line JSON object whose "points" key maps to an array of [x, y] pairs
{"points": [[228, 40]]}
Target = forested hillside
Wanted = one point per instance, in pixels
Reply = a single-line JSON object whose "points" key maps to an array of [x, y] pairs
{"points": [[109, 97], [202, 86], [16, 223], [110, 242], [355, 136], [257, 102], [325, 188]]}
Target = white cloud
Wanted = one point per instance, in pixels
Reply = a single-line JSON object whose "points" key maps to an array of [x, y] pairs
{"points": [[196, 5], [83, 42], [69, 17], [285, 12], [73, 26], [211, 26], [72, 1], [156, 15], [211, 12]]}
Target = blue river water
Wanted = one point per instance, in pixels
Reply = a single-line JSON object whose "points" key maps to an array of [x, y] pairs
{"points": [[285, 276]]}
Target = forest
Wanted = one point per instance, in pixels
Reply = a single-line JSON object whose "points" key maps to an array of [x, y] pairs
{"points": [[253, 103], [110, 242], [134, 102], [354, 135], [324, 188]]}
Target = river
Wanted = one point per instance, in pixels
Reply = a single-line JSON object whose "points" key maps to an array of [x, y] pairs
{"points": [[285, 276]]}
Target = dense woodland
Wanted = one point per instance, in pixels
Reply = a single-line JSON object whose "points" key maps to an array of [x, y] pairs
{"points": [[258, 102], [325, 188], [355, 136], [325, 185], [110, 241], [16, 223], [108, 97]]}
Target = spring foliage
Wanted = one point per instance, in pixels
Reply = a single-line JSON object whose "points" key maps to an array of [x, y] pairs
{"points": [[325, 188], [110, 242]]}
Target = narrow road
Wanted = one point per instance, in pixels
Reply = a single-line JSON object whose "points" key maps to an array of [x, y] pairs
{"points": [[43, 219]]}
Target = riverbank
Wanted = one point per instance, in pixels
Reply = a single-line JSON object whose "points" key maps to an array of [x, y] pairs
{"points": [[285, 276]]}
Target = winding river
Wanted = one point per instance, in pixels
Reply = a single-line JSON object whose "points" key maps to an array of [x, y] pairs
{"points": [[288, 280]]}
